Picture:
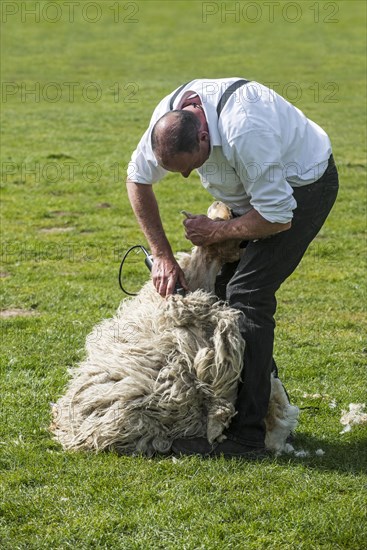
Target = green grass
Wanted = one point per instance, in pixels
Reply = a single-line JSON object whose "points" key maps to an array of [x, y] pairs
{"points": [[68, 279]]}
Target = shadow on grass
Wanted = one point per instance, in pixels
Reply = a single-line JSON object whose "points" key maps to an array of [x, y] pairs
{"points": [[342, 456]]}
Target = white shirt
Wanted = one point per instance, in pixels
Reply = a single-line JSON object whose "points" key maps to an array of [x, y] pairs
{"points": [[261, 147]]}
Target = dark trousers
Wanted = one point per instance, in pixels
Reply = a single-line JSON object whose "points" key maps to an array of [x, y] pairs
{"points": [[250, 286]]}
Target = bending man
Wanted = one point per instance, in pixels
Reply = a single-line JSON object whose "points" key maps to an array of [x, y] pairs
{"points": [[274, 167]]}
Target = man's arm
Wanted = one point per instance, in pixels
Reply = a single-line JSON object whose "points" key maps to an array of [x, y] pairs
{"points": [[166, 271], [200, 230]]}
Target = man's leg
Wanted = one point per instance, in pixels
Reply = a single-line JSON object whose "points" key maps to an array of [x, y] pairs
{"points": [[223, 278], [264, 266]]}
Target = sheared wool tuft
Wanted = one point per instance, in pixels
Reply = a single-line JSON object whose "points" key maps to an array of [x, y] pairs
{"points": [[355, 415]]}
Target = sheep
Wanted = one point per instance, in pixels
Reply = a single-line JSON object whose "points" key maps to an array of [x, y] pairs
{"points": [[165, 368]]}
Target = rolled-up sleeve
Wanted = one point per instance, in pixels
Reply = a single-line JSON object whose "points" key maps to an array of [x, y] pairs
{"points": [[255, 156], [143, 167]]}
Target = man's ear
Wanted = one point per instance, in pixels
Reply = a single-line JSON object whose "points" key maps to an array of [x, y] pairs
{"points": [[204, 136]]}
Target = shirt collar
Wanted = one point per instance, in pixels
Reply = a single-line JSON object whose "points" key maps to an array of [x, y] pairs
{"points": [[209, 104]]}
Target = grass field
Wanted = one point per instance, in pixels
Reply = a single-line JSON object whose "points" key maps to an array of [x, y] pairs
{"points": [[79, 82]]}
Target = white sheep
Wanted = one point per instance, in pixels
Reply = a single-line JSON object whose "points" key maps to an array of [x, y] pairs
{"points": [[165, 368]]}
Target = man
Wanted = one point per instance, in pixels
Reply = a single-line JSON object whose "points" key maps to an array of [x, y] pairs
{"points": [[262, 157]]}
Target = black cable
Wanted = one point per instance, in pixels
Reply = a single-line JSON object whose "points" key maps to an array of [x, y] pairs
{"points": [[122, 264], [148, 262]]}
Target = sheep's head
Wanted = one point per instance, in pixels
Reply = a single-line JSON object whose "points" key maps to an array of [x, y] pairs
{"points": [[205, 262], [219, 211], [227, 251], [223, 252]]}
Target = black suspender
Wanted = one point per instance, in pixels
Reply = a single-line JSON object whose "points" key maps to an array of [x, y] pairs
{"points": [[172, 100], [223, 100], [227, 94]]}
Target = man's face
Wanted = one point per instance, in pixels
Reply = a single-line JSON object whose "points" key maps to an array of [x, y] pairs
{"points": [[185, 163]]}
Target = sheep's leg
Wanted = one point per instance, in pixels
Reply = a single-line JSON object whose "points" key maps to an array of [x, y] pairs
{"points": [[281, 419]]}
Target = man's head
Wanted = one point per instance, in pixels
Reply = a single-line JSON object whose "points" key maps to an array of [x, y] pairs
{"points": [[180, 140]]}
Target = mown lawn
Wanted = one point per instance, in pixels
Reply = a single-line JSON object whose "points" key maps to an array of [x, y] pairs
{"points": [[76, 97]]}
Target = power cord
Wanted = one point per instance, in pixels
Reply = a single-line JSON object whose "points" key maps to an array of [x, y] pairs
{"points": [[149, 263]]}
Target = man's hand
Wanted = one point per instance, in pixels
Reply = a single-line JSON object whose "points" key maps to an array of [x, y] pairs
{"points": [[201, 230], [166, 273]]}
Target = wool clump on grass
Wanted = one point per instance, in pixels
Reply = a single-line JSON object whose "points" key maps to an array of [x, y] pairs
{"points": [[355, 415], [162, 369]]}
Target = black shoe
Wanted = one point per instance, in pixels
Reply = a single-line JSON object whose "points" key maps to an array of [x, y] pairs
{"points": [[194, 446], [228, 448]]}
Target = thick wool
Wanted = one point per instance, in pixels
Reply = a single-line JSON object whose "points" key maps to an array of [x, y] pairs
{"points": [[162, 369], [158, 370]]}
